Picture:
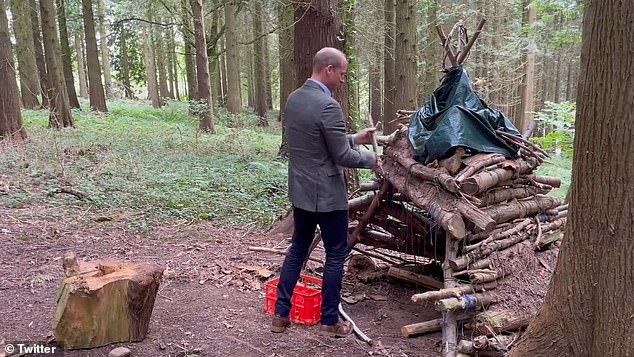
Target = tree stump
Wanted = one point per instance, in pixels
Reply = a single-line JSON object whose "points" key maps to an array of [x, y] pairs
{"points": [[104, 302]]}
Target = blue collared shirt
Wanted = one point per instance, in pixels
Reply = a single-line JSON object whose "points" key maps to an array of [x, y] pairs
{"points": [[323, 86]]}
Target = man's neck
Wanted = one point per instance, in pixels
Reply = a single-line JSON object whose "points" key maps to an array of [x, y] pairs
{"points": [[326, 90]]}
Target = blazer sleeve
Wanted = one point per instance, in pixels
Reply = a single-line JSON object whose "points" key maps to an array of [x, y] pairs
{"points": [[338, 143]]}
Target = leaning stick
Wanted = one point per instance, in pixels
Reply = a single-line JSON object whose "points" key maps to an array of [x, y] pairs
{"points": [[448, 50], [465, 52]]}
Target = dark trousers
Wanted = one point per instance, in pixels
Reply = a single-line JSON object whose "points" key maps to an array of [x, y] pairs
{"points": [[334, 233]]}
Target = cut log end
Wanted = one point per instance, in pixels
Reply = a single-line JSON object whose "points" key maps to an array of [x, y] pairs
{"points": [[106, 302]]}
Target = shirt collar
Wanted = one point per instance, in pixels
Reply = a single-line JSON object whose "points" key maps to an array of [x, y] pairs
{"points": [[323, 86]]}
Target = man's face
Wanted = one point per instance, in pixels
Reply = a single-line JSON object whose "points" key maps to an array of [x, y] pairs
{"points": [[336, 75]]}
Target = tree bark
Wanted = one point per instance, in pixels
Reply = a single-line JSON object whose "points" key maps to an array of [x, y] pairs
{"points": [[150, 67], [528, 82], [81, 66], [432, 52], [188, 39], [39, 51], [174, 62], [159, 50], [594, 273], [389, 79], [202, 70], [125, 63], [234, 101], [66, 62], [10, 115], [286, 65], [376, 99], [97, 96], [259, 66], [29, 81], [60, 114], [105, 52], [405, 61]]}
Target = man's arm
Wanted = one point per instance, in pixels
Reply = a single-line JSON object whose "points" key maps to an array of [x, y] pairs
{"points": [[339, 144]]}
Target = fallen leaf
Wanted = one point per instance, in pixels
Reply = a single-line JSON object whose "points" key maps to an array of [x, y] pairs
{"points": [[227, 325]]}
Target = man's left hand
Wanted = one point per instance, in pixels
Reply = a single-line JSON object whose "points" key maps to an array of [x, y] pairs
{"points": [[364, 136]]}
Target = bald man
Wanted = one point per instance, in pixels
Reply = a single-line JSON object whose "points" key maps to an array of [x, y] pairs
{"points": [[319, 149]]}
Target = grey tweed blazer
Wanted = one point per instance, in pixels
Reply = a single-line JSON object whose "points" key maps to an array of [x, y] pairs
{"points": [[318, 150]]}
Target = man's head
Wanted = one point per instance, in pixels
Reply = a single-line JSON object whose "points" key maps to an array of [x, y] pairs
{"points": [[329, 67]]}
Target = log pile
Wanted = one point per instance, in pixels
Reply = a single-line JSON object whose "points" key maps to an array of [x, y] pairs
{"points": [[486, 217]]}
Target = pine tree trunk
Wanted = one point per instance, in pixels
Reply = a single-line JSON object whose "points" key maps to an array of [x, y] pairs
{"points": [[234, 101], [317, 26], [286, 65], [105, 52], [250, 80], [10, 116], [432, 52], [39, 52], [81, 66], [159, 51], [125, 63], [528, 82], [406, 55], [150, 67], [190, 62], [66, 62], [352, 80], [589, 306], [97, 96], [202, 70], [375, 85], [174, 62], [29, 81], [259, 67], [212, 54], [60, 114], [223, 71], [389, 74]]}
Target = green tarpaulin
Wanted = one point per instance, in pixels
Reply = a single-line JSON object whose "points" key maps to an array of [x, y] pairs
{"points": [[455, 116]]}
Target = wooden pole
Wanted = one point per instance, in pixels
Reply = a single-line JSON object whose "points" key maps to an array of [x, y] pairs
{"points": [[463, 54], [448, 50], [450, 328]]}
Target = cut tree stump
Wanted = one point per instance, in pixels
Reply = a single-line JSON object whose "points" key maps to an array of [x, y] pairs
{"points": [[104, 302]]}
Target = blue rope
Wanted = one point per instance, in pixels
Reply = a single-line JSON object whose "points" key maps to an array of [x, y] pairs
{"points": [[470, 302]]}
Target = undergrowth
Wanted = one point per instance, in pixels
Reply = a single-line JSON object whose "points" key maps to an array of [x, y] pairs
{"points": [[151, 163]]}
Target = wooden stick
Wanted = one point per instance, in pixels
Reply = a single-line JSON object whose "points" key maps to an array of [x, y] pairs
{"points": [[525, 141], [278, 251], [472, 40], [466, 302], [445, 45], [428, 326], [499, 235], [418, 279], [476, 162], [451, 292], [547, 180], [504, 194], [354, 237], [519, 209], [450, 329]]}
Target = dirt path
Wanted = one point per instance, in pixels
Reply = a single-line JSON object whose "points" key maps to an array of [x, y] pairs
{"points": [[209, 303]]}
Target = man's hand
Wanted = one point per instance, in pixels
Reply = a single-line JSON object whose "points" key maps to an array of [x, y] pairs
{"points": [[364, 136]]}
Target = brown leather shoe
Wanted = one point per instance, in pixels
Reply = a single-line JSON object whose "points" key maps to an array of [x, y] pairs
{"points": [[340, 329], [280, 324]]}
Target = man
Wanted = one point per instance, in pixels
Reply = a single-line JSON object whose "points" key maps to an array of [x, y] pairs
{"points": [[318, 150]]}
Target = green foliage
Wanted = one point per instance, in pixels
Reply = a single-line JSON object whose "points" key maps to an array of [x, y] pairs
{"points": [[559, 166], [561, 118], [151, 164], [134, 48]]}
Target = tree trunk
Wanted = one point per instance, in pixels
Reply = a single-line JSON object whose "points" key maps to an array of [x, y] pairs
{"points": [[29, 81], [39, 52], [234, 101], [60, 114], [528, 82], [286, 65], [202, 70], [188, 38], [81, 66], [250, 80], [352, 79], [375, 86], [589, 306], [213, 56], [150, 67], [432, 52], [405, 63], [66, 62], [389, 79], [174, 62], [159, 50], [223, 70], [105, 52], [97, 97], [10, 115], [258, 70], [317, 26], [267, 60], [125, 64]]}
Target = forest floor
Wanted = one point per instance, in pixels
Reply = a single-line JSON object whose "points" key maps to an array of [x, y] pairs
{"points": [[154, 189], [211, 300]]}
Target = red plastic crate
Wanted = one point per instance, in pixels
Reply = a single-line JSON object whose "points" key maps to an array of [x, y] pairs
{"points": [[306, 300]]}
